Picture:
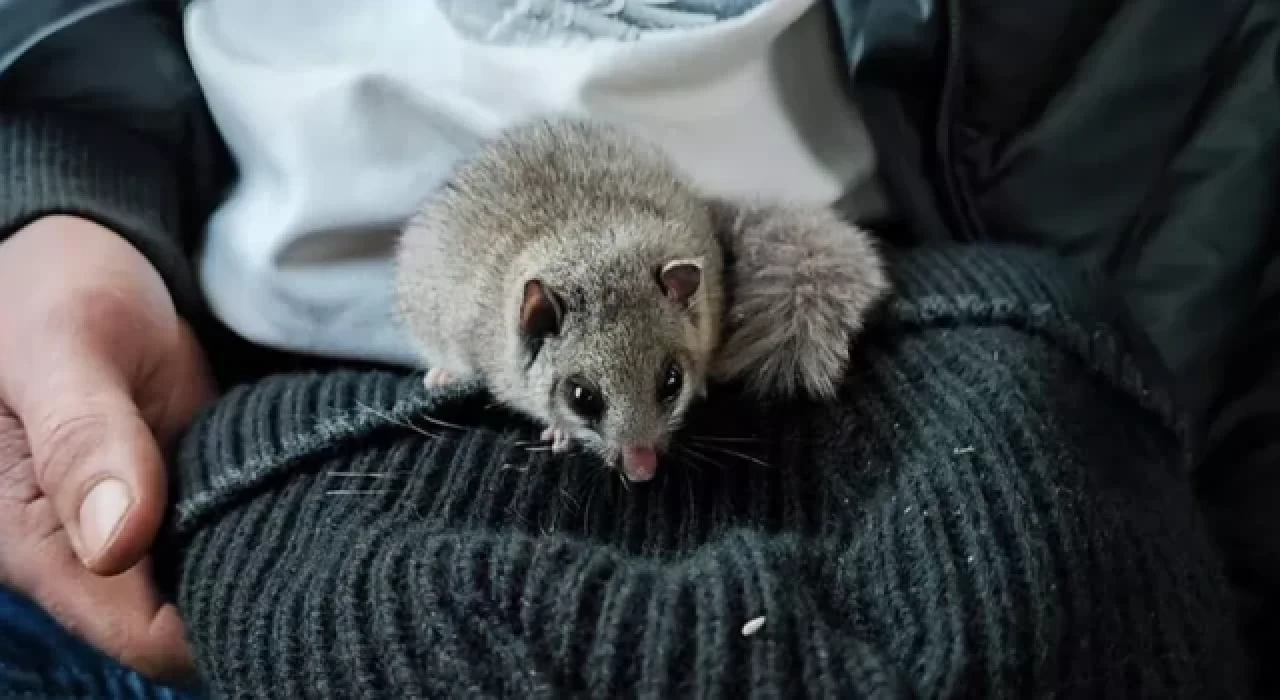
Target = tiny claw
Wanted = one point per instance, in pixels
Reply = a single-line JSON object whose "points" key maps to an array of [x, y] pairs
{"points": [[437, 378], [560, 440]]}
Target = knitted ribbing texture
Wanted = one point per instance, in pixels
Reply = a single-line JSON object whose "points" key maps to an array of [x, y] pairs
{"points": [[995, 507], [75, 165]]}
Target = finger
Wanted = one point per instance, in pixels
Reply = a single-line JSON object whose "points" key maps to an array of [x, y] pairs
{"points": [[94, 457], [165, 653], [122, 615]]}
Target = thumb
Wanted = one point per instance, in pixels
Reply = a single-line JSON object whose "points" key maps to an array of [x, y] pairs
{"points": [[97, 461]]}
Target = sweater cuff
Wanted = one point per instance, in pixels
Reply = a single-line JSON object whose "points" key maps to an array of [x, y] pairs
{"points": [[63, 164]]}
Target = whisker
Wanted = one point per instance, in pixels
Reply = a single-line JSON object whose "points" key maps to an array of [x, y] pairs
{"points": [[539, 448], [717, 438], [364, 475], [555, 521], [355, 492], [528, 443], [442, 423], [570, 499], [678, 454], [693, 500], [701, 457], [739, 455], [591, 494], [392, 420], [725, 439], [514, 468], [689, 465]]}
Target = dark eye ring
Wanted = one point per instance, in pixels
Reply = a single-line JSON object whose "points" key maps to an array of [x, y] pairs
{"points": [[672, 382], [584, 399]]}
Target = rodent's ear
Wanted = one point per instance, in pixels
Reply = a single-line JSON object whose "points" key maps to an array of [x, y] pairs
{"points": [[680, 280], [540, 312]]}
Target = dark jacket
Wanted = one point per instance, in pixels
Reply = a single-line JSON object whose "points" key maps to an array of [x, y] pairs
{"points": [[1136, 136], [103, 118], [1139, 137]]}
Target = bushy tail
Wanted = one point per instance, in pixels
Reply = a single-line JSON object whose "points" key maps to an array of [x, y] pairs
{"points": [[800, 284]]}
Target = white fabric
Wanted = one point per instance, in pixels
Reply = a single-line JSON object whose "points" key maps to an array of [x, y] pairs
{"points": [[343, 116]]}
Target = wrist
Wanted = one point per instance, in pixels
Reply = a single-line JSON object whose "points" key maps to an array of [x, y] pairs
{"points": [[74, 169], [83, 256]]}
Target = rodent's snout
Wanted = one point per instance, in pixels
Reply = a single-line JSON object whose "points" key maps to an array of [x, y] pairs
{"points": [[639, 462]]}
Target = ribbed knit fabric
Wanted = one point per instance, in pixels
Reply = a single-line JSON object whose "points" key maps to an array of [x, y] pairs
{"points": [[996, 507], [61, 163]]}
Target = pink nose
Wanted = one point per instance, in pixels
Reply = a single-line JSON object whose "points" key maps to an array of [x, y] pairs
{"points": [[639, 462]]}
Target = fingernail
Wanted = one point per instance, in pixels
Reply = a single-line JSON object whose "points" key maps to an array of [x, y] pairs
{"points": [[101, 513]]}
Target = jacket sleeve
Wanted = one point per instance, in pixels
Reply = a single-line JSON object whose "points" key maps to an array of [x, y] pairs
{"points": [[103, 119], [1240, 476]]}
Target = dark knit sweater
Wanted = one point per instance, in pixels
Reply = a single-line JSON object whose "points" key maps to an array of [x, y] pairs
{"points": [[997, 506], [74, 165]]}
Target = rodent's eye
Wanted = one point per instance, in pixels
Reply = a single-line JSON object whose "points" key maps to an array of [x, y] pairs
{"points": [[584, 399], [672, 382]]}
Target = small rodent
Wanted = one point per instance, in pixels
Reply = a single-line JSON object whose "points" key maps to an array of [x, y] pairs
{"points": [[575, 273], [570, 269]]}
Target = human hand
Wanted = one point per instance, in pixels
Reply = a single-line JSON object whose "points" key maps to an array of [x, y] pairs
{"points": [[97, 373]]}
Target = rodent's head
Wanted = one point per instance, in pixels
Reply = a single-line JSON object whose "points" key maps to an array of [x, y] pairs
{"points": [[617, 366]]}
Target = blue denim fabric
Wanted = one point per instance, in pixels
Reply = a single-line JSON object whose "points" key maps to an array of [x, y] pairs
{"points": [[41, 659]]}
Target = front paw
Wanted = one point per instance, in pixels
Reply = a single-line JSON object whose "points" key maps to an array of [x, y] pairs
{"points": [[560, 440], [437, 378]]}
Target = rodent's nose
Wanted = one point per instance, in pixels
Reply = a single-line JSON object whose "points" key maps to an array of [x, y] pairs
{"points": [[639, 462]]}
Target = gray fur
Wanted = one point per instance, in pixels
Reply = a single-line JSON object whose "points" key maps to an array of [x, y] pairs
{"points": [[801, 283], [594, 213]]}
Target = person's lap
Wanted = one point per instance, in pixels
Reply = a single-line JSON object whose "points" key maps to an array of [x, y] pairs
{"points": [[1090, 543], [40, 658]]}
